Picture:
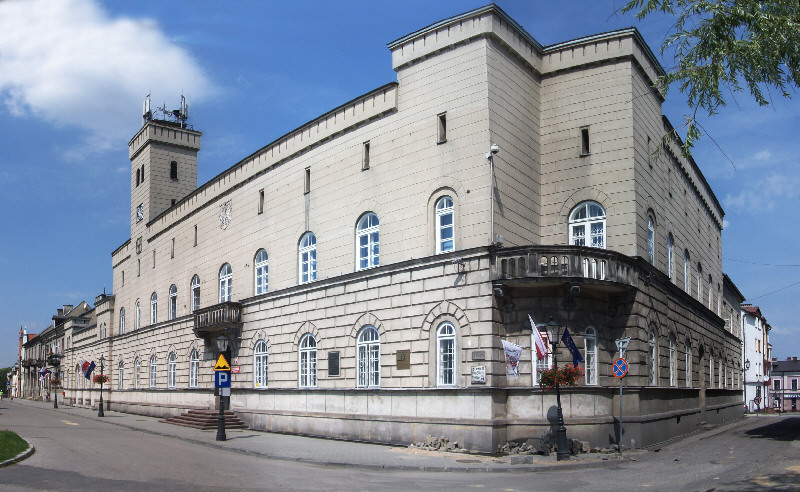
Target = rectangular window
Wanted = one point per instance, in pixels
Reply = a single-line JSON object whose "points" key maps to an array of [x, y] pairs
{"points": [[195, 235], [172, 251], [649, 153], [154, 258], [261, 201], [776, 384], [172, 202], [794, 384], [142, 173], [333, 364], [365, 157], [123, 278], [307, 181], [585, 141], [442, 130]]}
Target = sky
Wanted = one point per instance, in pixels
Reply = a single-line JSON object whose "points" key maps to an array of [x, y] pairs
{"points": [[74, 73]]}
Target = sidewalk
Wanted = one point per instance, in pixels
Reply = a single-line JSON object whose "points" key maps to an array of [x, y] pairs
{"points": [[335, 453]]}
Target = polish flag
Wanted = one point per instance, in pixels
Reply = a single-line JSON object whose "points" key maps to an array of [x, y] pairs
{"points": [[541, 347]]}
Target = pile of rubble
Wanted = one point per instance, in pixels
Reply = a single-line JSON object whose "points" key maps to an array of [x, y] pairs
{"points": [[438, 444], [542, 446]]}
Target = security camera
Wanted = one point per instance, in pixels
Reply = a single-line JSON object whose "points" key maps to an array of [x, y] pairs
{"points": [[494, 149]]}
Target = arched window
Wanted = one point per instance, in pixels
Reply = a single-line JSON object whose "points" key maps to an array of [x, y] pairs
{"points": [[367, 243], [686, 285], [308, 361], [138, 314], [710, 370], [121, 375], [587, 225], [446, 354], [307, 257], [225, 283], [172, 366], [121, 321], [173, 301], [673, 377], [651, 355], [261, 271], [369, 358], [153, 308], [137, 365], [688, 363], [153, 371], [194, 368], [651, 240], [670, 257], [700, 282], [590, 349], [260, 364], [195, 287], [445, 227]]}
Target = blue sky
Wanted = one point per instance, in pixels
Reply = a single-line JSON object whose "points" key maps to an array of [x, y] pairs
{"points": [[73, 75]]}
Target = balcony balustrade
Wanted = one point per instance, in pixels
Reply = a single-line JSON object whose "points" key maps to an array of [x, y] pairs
{"points": [[567, 262], [217, 319]]}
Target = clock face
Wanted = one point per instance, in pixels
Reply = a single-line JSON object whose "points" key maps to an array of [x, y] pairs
{"points": [[139, 212]]}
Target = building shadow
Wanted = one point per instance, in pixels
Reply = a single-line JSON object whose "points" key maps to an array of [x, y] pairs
{"points": [[787, 429]]}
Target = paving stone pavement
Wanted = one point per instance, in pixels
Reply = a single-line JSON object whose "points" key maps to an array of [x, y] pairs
{"points": [[335, 453]]}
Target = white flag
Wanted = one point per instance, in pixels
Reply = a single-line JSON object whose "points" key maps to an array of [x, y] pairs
{"points": [[541, 347]]}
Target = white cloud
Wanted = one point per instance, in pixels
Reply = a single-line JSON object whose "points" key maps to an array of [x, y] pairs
{"points": [[765, 194], [70, 64], [763, 155]]}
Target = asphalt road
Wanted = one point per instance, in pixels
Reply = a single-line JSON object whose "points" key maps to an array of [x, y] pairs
{"points": [[78, 453]]}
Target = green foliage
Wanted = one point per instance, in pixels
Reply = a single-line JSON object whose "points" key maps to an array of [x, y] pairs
{"points": [[723, 46], [11, 445], [4, 377]]}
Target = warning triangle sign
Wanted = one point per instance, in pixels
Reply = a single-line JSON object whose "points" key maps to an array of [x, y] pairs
{"points": [[222, 364]]}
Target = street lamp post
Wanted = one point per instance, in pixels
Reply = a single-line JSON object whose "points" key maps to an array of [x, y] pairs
{"points": [[100, 410], [55, 361], [562, 447]]}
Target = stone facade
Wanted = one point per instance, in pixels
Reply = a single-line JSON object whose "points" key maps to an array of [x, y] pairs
{"points": [[576, 123]]}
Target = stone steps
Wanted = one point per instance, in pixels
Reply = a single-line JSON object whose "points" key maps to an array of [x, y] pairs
{"points": [[205, 420]]}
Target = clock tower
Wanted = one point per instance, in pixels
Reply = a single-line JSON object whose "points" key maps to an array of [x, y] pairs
{"points": [[163, 158]]}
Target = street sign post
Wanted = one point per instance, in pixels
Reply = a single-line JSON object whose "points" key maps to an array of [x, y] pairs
{"points": [[222, 379], [620, 369]]}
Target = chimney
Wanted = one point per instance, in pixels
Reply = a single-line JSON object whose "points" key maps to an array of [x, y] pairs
{"points": [[67, 308], [794, 358], [59, 312]]}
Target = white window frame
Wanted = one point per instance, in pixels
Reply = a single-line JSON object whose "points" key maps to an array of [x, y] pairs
{"points": [[261, 365], [673, 376], [194, 368], [652, 355], [121, 375], [369, 358], [445, 209], [687, 285], [195, 292], [670, 257], [138, 314], [446, 355], [651, 239], [172, 369], [590, 349], [710, 370], [137, 365], [173, 301], [307, 362], [700, 283], [225, 283], [122, 321], [367, 241], [153, 308], [261, 272], [583, 226], [153, 372], [307, 258], [688, 364]]}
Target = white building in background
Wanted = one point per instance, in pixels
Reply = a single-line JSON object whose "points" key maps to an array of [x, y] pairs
{"points": [[755, 343]]}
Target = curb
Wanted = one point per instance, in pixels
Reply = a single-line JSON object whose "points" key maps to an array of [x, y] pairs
{"points": [[21, 456]]}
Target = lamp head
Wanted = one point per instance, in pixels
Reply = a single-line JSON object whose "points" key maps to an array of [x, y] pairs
{"points": [[494, 149]]}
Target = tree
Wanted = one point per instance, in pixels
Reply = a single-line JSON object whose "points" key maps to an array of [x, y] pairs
{"points": [[722, 45], [4, 377]]}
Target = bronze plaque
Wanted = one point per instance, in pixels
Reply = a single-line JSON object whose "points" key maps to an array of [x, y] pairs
{"points": [[404, 359]]}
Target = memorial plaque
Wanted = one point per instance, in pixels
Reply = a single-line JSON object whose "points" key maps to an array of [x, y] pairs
{"points": [[478, 355], [403, 359], [478, 374], [333, 364]]}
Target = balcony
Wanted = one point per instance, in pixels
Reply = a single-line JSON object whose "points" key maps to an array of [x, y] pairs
{"points": [[535, 264], [219, 319]]}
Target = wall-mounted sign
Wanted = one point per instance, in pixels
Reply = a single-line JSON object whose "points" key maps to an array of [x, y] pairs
{"points": [[333, 364], [478, 374], [403, 359], [478, 355]]}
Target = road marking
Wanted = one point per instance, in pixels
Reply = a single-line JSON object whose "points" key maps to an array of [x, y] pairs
{"points": [[70, 423]]}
